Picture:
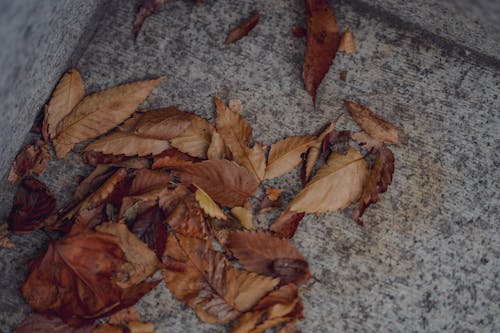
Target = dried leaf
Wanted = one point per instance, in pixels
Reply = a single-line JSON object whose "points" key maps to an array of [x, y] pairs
{"points": [[100, 112], [147, 8], [243, 30], [265, 254], [172, 157], [92, 182], [314, 152], [377, 182], [279, 306], [322, 43], [205, 280], [289, 328], [236, 133], [285, 154], [367, 142], [107, 328], [244, 216], [298, 31], [287, 223], [140, 327], [33, 207], [196, 139], [272, 200], [38, 323], [375, 126], [67, 94], [163, 124], [141, 261], [78, 278], [224, 181], [335, 186], [208, 205], [183, 213], [217, 149], [146, 180], [32, 159], [347, 42], [149, 225]]}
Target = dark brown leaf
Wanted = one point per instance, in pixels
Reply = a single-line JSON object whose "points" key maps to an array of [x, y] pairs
{"points": [[78, 278], [377, 182], [147, 8], [265, 254], [298, 31], [224, 181], [172, 157], [151, 228], [322, 43], [287, 223], [242, 30], [146, 180], [272, 200], [34, 207], [43, 324], [32, 159]]}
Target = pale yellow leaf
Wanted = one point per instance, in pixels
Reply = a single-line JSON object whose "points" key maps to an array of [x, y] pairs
{"points": [[336, 185], [217, 148], [236, 133], [286, 154], [100, 112], [67, 94], [208, 205], [244, 216]]}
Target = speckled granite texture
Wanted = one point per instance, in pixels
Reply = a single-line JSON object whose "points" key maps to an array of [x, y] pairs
{"points": [[428, 258]]}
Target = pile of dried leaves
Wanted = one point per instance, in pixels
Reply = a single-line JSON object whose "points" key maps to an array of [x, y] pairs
{"points": [[174, 193]]}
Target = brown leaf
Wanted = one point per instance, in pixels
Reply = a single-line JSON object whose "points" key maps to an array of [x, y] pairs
{"points": [[224, 181], [140, 327], [5, 242], [196, 139], [287, 223], [147, 8], [298, 31], [322, 43], [78, 278], [285, 154], [377, 182], [336, 185], [236, 133], [347, 42], [183, 213], [205, 280], [289, 328], [100, 112], [141, 261], [172, 157], [366, 142], [150, 226], [314, 152], [272, 200], [38, 323], [146, 180], [92, 182], [34, 207], [163, 124], [107, 328], [375, 126], [67, 94], [277, 307], [244, 216], [243, 30], [265, 254], [32, 159]]}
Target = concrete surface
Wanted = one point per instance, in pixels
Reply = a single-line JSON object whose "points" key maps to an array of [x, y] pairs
{"points": [[428, 258]]}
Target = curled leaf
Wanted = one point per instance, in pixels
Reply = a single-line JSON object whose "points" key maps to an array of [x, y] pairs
{"points": [[32, 159], [375, 126], [377, 182], [243, 30], [34, 207], [322, 43]]}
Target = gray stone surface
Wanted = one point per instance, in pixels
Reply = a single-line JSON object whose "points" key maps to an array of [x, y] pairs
{"points": [[428, 258]]}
